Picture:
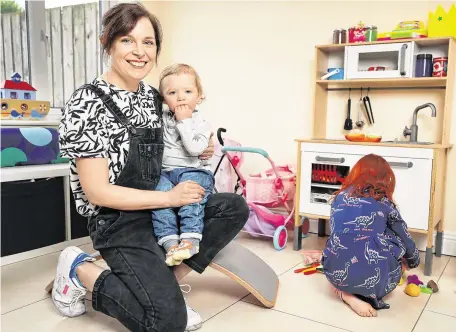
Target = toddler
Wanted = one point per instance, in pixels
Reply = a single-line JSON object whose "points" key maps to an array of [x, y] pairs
{"points": [[186, 136], [369, 241]]}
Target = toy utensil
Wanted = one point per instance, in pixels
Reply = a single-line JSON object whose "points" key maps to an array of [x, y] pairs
{"points": [[348, 125], [360, 123], [368, 106]]}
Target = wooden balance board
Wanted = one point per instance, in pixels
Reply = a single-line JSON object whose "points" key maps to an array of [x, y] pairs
{"points": [[244, 267]]}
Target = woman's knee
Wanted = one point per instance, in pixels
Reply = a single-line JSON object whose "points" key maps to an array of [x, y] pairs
{"points": [[169, 316], [230, 205]]}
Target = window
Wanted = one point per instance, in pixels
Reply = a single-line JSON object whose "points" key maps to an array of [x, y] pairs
{"points": [[37, 28], [13, 95], [27, 95]]}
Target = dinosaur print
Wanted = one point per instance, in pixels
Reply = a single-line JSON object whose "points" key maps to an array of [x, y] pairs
{"points": [[339, 276], [372, 255], [353, 201], [362, 221], [335, 243], [371, 281]]}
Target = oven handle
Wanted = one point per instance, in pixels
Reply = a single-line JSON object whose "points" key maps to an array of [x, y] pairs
{"points": [[402, 60], [398, 164], [330, 160]]}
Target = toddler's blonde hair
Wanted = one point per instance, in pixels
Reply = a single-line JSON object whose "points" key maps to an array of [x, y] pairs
{"points": [[181, 68]]}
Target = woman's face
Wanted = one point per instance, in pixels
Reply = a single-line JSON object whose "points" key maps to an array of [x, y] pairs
{"points": [[133, 56]]}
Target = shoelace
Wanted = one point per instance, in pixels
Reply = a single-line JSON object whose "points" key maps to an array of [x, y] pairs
{"points": [[77, 295], [189, 288]]}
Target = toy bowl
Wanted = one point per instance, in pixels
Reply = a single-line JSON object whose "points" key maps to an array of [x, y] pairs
{"points": [[360, 137]]}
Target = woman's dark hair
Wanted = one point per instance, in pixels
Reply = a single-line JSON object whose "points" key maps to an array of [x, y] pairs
{"points": [[121, 19]]}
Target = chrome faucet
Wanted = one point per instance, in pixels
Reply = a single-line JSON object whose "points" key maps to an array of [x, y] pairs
{"points": [[413, 131]]}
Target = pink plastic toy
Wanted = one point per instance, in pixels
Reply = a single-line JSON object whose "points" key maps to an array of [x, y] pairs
{"points": [[274, 188]]}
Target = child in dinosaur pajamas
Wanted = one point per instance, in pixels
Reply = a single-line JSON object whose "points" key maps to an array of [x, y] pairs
{"points": [[369, 243]]}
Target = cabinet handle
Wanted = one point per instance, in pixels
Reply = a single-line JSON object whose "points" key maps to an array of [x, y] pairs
{"points": [[400, 164], [329, 159], [402, 60]]}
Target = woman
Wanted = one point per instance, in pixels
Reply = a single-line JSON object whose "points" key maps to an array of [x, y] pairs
{"points": [[369, 242], [112, 134]]}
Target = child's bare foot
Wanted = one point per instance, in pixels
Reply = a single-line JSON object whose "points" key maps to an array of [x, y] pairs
{"points": [[362, 308]]}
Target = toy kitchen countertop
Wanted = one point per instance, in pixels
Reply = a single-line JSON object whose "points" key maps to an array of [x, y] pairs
{"points": [[402, 144]]}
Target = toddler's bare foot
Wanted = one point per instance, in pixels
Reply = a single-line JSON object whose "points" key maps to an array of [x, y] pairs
{"points": [[362, 308]]}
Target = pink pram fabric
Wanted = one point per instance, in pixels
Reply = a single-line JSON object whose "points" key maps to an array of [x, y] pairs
{"points": [[256, 226], [261, 189]]}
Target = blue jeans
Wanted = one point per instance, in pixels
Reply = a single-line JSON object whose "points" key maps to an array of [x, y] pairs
{"points": [[191, 216]]}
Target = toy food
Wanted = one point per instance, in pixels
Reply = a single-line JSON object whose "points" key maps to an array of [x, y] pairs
{"points": [[413, 279], [409, 29], [361, 137], [401, 281], [412, 290], [425, 290], [433, 285]]}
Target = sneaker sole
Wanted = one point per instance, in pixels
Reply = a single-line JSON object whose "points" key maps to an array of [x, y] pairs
{"points": [[194, 327]]}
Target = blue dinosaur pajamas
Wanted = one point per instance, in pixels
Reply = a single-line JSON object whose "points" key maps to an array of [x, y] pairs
{"points": [[364, 251]]}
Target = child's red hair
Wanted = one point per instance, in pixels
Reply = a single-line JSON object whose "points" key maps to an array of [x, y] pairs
{"points": [[371, 176]]}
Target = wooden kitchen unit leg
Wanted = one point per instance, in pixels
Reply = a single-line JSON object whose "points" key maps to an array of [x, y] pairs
{"points": [[321, 227], [439, 239], [429, 255]]}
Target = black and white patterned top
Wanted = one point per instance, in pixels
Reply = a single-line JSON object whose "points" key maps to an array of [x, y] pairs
{"points": [[88, 130]]}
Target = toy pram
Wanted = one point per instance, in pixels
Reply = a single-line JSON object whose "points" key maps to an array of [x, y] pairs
{"points": [[274, 188]]}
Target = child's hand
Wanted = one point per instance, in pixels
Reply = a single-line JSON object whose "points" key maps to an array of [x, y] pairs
{"points": [[405, 265], [183, 112]]}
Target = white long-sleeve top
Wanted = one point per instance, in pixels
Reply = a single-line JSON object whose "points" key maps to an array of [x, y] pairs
{"points": [[184, 141]]}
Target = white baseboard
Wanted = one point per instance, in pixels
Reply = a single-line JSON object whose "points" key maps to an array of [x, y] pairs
{"points": [[44, 251], [449, 239]]}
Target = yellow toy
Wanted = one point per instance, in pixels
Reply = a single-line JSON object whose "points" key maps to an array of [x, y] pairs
{"points": [[441, 23], [19, 100], [412, 290], [401, 281]]}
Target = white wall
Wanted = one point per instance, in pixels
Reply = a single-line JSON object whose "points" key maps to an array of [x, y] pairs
{"points": [[256, 64]]}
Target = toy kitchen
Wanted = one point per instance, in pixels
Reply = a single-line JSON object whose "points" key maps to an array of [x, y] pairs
{"points": [[411, 64]]}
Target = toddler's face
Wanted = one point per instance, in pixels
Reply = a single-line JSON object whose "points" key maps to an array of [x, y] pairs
{"points": [[180, 90]]}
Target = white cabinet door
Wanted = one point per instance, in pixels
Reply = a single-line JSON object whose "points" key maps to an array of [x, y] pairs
{"points": [[308, 203], [396, 57], [413, 189], [412, 193]]}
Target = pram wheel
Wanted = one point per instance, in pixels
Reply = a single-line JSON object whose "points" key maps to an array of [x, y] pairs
{"points": [[305, 226], [280, 238]]}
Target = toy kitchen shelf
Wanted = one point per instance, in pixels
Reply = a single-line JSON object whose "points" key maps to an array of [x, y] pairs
{"points": [[323, 162]]}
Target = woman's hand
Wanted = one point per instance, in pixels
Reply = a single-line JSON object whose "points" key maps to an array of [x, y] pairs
{"points": [[209, 152], [185, 193]]}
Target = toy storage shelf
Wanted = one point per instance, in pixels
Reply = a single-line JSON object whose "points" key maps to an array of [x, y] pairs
{"points": [[19, 173], [386, 82], [418, 41]]}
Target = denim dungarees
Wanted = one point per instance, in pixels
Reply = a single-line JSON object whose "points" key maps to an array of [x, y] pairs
{"points": [[140, 290]]}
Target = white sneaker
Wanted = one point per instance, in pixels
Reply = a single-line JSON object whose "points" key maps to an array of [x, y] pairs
{"points": [[67, 294], [194, 320]]}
